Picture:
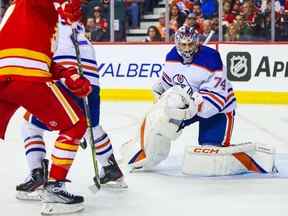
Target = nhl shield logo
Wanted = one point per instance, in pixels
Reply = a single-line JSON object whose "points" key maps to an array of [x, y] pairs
{"points": [[239, 66]]}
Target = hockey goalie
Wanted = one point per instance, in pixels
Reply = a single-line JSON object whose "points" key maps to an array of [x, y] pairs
{"points": [[194, 88]]}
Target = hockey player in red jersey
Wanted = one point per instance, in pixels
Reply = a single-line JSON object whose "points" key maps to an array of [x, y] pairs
{"points": [[26, 79], [33, 130]]}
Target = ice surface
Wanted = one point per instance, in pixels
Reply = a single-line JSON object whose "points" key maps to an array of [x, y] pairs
{"points": [[165, 191]]}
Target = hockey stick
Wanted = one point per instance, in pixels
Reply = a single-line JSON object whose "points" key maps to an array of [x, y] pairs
{"points": [[90, 134], [208, 38]]}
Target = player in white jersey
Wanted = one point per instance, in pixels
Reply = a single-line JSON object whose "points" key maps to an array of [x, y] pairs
{"points": [[192, 88], [33, 129]]}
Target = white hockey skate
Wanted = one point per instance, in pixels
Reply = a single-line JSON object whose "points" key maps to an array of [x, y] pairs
{"points": [[56, 200]]}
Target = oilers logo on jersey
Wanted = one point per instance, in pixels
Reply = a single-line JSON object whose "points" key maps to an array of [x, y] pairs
{"points": [[206, 75], [181, 80]]}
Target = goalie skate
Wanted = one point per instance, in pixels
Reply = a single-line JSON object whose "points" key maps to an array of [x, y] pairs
{"points": [[56, 200]]}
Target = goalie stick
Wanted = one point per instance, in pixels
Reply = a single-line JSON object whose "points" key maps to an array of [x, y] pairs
{"points": [[208, 38], [94, 188]]}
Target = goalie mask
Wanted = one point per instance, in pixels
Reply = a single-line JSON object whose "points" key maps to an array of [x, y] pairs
{"points": [[187, 42]]}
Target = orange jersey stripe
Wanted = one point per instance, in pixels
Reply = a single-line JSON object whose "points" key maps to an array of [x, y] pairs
{"points": [[103, 145], [229, 129], [34, 143], [141, 156], [27, 116], [214, 97], [246, 161]]}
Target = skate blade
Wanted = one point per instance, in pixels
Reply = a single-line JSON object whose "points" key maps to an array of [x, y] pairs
{"points": [[93, 188], [119, 184], [60, 208], [31, 196]]}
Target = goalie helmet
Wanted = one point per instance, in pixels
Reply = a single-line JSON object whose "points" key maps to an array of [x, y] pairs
{"points": [[187, 42]]}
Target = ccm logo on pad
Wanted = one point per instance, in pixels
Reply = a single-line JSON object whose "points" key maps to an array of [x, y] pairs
{"points": [[206, 150]]}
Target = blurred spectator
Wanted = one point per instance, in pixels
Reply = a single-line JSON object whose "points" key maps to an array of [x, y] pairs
{"points": [[105, 6], [232, 33], [243, 28], [120, 16], [198, 13], [89, 27], [197, 10], [153, 34], [192, 22], [176, 18], [162, 28], [248, 12], [149, 5], [185, 6], [215, 24], [251, 18], [100, 30], [227, 13], [133, 12], [206, 29], [90, 24], [236, 6]]}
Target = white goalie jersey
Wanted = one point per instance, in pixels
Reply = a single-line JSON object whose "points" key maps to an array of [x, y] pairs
{"points": [[206, 76]]}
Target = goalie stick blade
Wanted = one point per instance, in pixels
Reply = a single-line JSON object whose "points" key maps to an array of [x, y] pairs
{"points": [[59, 208]]}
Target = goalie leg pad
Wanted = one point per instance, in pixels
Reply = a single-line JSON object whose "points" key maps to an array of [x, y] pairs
{"points": [[219, 161], [147, 150], [156, 150], [158, 129]]}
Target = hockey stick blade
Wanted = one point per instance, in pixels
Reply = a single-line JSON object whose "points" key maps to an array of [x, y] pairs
{"points": [[96, 187]]}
